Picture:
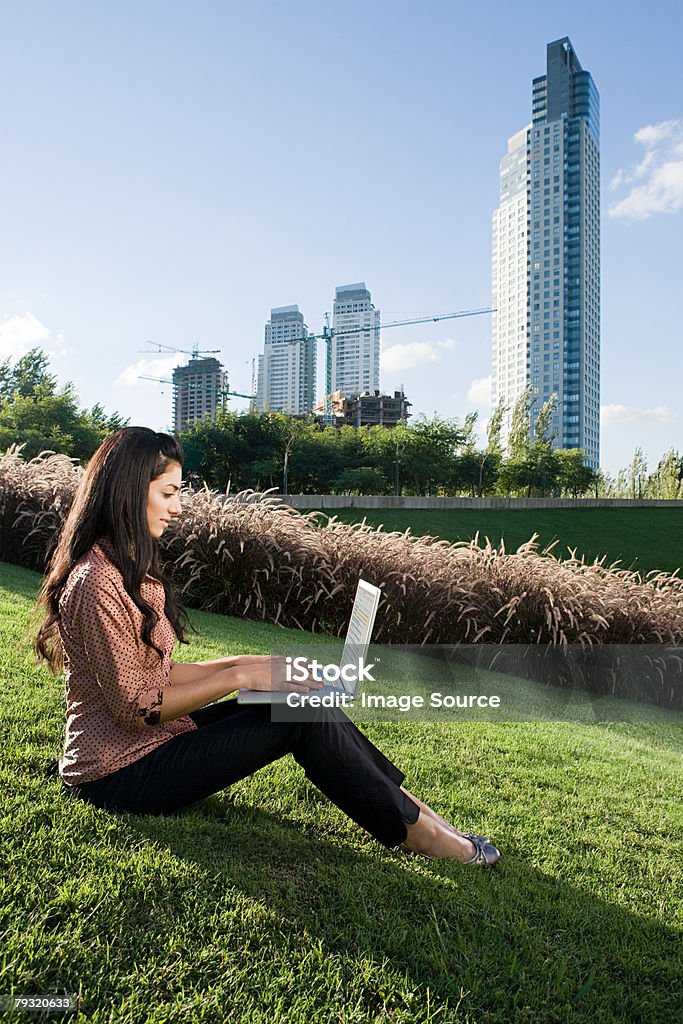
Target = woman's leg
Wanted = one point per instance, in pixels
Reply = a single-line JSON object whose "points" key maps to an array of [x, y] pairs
{"points": [[356, 776], [232, 741]]}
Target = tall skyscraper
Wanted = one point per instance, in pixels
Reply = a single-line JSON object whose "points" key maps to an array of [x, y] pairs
{"points": [[546, 256], [199, 389], [287, 368], [353, 353]]}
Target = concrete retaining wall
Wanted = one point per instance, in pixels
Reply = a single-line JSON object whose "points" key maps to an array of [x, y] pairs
{"points": [[372, 501]]}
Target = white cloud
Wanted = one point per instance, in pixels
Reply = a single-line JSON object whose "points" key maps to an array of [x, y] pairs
{"points": [[403, 357], [479, 391], [655, 182], [22, 332], [161, 367], [629, 413], [654, 134]]}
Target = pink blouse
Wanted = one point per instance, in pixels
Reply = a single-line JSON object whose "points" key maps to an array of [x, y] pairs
{"points": [[114, 682]]}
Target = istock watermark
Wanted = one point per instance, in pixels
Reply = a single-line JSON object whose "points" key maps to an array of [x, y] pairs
{"points": [[394, 702], [485, 682], [299, 670]]}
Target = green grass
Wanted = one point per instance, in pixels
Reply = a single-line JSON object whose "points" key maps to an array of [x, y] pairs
{"points": [[642, 538], [264, 903]]}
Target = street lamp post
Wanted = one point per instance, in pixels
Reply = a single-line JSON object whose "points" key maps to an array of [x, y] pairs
{"points": [[285, 473]]}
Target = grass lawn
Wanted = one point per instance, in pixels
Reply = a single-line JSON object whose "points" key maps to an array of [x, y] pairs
{"points": [[643, 538], [265, 904]]}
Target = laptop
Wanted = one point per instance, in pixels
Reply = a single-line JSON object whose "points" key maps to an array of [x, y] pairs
{"points": [[356, 646]]}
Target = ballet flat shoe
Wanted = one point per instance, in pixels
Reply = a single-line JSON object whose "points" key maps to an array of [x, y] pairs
{"points": [[485, 854]]}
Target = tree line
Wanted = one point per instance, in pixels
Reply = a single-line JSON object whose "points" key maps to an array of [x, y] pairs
{"points": [[427, 457], [438, 456], [41, 416]]}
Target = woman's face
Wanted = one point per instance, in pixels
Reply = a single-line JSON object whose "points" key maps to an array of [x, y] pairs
{"points": [[162, 501]]}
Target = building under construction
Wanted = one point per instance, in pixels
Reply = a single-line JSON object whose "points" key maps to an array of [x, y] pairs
{"points": [[369, 409], [198, 388]]}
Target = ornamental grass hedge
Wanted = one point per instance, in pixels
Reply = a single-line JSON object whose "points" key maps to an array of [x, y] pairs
{"points": [[251, 556]]}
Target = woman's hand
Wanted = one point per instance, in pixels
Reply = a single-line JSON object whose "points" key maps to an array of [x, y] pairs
{"points": [[266, 672], [194, 685]]}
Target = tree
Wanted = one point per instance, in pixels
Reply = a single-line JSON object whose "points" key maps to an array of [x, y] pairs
{"points": [[28, 378], [35, 414], [494, 428], [637, 474], [543, 465], [109, 424], [316, 460], [518, 441], [574, 476], [605, 484], [464, 475], [667, 480], [240, 450], [532, 465], [384, 449], [478, 468], [359, 480], [212, 450], [430, 459]]}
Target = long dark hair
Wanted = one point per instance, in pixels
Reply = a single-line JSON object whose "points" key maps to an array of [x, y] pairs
{"points": [[111, 503]]}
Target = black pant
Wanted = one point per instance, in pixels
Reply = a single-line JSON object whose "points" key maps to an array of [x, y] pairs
{"points": [[233, 740]]}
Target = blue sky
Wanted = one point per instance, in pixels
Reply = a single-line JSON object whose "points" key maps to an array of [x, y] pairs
{"points": [[171, 171]]}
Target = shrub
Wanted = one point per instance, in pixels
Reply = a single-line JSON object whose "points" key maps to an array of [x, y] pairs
{"points": [[35, 498], [249, 555]]}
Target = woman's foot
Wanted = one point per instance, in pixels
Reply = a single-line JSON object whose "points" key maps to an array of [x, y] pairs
{"points": [[434, 837]]}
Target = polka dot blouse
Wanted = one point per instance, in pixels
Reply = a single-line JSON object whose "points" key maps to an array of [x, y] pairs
{"points": [[114, 682]]}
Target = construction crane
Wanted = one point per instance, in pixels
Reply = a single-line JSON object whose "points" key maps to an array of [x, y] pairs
{"points": [[221, 392], [195, 352], [329, 333]]}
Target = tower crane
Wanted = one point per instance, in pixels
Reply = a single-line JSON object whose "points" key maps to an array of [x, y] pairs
{"points": [[329, 333], [195, 352], [221, 392]]}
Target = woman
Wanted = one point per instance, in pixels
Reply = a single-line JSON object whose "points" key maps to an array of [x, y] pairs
{"points": [[143, 733]]}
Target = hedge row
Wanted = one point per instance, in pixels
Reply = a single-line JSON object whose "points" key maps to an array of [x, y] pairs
{"points": [[250, 556]]}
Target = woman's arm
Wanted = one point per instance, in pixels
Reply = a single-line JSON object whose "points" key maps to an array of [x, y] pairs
{"points": [[192, 671], [191, 694]]}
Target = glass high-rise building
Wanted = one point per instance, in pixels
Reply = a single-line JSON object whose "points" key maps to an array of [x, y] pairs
{"points": [[287, 368], [353, 353], [546, 256]]}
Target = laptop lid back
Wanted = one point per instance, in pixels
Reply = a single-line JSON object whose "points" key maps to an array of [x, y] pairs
{"points": [[359, 632]]}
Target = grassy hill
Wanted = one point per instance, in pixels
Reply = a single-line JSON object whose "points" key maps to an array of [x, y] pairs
{"points": [[642, 538], [265, 904]]}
